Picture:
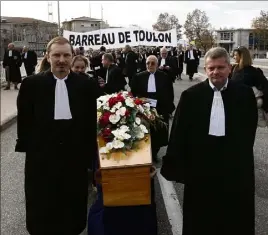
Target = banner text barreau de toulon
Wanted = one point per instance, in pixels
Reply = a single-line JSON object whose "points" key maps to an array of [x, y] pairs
{"points": [[119, 37]]}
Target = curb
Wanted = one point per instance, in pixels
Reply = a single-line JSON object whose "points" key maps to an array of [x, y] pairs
{"points": [[8, 122]]}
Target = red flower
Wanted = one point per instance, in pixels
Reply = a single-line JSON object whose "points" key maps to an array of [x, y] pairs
{"points": [[120, 98], [106, 134], [112, 101], [104, 119], [138, 101], [127, 113]]}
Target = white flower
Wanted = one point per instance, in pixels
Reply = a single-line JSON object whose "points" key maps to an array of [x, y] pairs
{"points": [[99, 104], [141, 109], [144, 129], [140, 135], [118, 105], [121, 111], [129, 102], [114, 118], [121, 134], [125, 94], [138, 120], [117, 144], [124, 128], [109, 145], [104, 150], [146, 105], [113, 110]]}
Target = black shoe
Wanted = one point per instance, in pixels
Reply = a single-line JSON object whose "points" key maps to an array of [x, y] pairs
{"points": [[7, 88]]}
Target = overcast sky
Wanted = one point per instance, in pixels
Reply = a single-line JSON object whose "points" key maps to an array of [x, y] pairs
{"points": [[236, 14]]}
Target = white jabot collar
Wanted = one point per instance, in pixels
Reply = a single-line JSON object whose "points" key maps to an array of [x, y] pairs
{"points": [[62, 106], [151, 83], [217, 115]]}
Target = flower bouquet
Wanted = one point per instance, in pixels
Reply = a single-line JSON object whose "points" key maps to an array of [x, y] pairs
{"points": [[124, 143], [123, 121]]}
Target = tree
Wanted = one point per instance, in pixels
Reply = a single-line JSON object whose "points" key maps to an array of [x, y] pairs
{"points": [[167, 22], [198, 29], [260, 32]]}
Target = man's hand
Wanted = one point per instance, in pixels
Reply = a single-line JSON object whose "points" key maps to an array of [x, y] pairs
{"points": [[167, 67], [161, 67]]}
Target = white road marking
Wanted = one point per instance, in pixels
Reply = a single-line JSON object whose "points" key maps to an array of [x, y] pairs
{"points": [[172, 204]]}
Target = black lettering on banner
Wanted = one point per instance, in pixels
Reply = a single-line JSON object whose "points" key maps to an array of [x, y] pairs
{"points": [[141, 35], [155, 38], [97, 39], [121, 37], [127, 36], [111, 38], [168, 37], [72, 39], [161, 37], [84, 40], [90, 40], [78, 41], [149, 36], [136, 34], [104, 40]]}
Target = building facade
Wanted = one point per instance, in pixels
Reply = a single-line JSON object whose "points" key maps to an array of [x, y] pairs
{"points": [[233, 38], [26, 32], [84, 24]]}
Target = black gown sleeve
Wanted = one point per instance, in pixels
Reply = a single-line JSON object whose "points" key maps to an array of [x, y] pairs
{"points": [[174, 162]]}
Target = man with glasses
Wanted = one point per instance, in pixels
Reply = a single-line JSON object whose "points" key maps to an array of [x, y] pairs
{"points": [[155, 85]]}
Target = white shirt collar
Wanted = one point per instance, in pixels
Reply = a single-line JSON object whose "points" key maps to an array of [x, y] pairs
{"points": [[60, 78], [215, 89]]}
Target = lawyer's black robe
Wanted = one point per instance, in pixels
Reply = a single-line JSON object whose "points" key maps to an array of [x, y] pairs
{"points": [[164, 96], [56, 177], [219, 186]]}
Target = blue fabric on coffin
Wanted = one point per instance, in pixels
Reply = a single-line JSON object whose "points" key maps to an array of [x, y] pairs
{"points": [[130, 220]]}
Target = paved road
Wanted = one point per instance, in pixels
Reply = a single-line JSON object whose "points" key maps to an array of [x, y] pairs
{"points": [[12, 194], [258, 62], [261, 172]]}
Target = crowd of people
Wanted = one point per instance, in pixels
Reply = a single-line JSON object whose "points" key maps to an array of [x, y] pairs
{"points": [[209, 148]]}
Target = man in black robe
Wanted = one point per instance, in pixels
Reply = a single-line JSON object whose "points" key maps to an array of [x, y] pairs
{"points": [[29, 58], [131, 62], [114, 81], [167, 64], [210, 151], [191, 60], [12, 63], [57, 130], [155, 85]]}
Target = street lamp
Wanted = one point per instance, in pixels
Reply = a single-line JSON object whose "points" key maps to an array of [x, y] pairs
{"points": [[58, 18]]}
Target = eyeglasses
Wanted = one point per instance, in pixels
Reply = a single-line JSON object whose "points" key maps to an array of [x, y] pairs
{"points": [[150, 63]]}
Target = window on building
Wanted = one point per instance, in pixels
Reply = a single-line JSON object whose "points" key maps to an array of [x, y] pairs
{"points": [[96, 24], [92, 25], [226, 36], [82, 25]]}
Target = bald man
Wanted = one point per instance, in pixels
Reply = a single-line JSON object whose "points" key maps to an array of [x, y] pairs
{"points": [[167, 64], [12, 63], [156, 86], [29, 58]]}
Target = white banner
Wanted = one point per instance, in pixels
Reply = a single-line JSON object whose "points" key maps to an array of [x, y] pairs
{"points": [[119, 37]]}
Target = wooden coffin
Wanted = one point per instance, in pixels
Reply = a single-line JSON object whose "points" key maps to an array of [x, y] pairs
{"points": [[125, 177]]}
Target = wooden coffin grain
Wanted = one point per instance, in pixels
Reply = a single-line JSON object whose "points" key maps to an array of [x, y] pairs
{"points": [[125, 177]]}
